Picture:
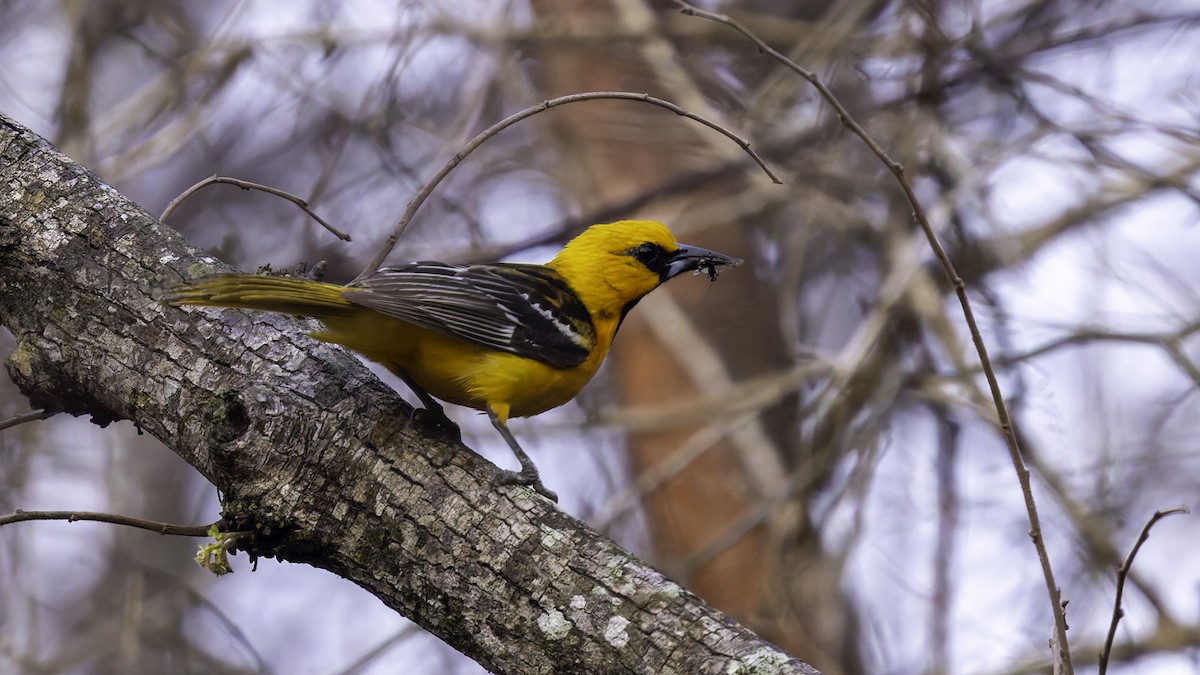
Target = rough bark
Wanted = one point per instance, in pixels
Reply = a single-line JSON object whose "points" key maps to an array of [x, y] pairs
{"points": [[315, 455]]}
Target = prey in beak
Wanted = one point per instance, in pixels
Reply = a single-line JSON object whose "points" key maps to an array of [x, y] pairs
{"points": [[697, 260]]}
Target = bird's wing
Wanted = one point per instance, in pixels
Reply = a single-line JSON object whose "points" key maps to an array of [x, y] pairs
{"points": [[527, 310]]}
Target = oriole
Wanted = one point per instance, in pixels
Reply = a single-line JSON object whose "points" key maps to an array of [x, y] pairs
{"points": [[509, 339]]}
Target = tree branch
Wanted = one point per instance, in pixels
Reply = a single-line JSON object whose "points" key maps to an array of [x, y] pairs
{"points": [[416, 202], [315, 454], [20, 516], [1122, 574], [248, 185]]}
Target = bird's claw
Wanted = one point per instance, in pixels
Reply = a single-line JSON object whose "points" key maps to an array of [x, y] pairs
{"points": [[436, 420], [527, 478]]}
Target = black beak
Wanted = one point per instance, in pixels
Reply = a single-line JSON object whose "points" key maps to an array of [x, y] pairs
{"points": [[701, 260]]}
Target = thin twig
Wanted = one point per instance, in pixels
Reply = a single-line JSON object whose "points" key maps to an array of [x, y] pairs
{"points": [[247, 185], [1122, 574], [140, 523], [918, 212], [496, 128], [25, 417]]}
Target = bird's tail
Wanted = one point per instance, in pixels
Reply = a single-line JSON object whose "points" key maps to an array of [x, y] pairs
{"points": [[289, 295]]}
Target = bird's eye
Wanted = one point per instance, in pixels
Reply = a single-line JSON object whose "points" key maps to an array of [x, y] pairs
{"points": [[648, 254]]}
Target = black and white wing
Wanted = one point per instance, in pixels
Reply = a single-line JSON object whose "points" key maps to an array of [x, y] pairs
{"points": [[527, 310]]}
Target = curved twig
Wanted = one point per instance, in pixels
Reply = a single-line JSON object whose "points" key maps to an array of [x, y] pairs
{"points": [[247, 185], [503, 124], [1122, 574]]}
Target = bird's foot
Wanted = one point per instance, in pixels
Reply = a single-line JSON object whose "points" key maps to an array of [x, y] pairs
{"points": [[528, 478], [436, 420]]}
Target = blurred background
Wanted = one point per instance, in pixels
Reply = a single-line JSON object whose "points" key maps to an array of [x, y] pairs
{"points": [[807, 442]]}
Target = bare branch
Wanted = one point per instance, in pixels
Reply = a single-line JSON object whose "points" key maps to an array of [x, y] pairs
{"points": [[1122, 573], [25, 417], [20, 516], [496, 128], [247, 185]]}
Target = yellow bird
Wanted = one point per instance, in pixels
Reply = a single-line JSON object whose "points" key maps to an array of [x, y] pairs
{"points": [[510, 339]]}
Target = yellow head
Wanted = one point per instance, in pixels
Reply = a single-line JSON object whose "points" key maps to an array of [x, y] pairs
{"points": [[612, 265]]}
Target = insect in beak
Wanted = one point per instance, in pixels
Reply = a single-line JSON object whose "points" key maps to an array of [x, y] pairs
{"points": [[699, 260]]}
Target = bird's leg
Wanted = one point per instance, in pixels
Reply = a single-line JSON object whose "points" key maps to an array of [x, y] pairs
{"points": [[528, 475], [431, 415]]}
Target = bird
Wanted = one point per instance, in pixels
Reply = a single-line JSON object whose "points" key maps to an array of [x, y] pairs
{"points": [[508, 339]]}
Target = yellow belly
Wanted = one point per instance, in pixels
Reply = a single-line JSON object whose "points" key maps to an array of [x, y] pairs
{"points": [[460, 372]]}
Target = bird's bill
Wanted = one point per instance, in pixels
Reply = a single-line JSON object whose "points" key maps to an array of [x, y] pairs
{"points": [[700, 260]]}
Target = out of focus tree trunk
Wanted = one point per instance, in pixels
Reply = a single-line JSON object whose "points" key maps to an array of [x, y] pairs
{"points": [[724, 523]]}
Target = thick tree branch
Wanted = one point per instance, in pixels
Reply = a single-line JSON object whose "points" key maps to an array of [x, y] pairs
{"points": [[315, 454]]}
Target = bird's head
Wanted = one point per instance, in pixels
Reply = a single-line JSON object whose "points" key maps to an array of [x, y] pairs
{"points": [[615, 264]]}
